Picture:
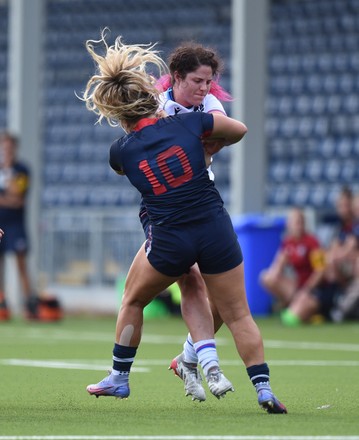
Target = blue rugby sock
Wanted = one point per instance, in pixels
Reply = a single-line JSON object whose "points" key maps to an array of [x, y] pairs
{"points": [[123, 358], [259, 376]]}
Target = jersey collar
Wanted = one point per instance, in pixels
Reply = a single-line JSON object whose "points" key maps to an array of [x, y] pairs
{"points": [[142, 123]]}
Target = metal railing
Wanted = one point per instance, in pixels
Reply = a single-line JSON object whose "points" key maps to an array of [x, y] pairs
{"points": [[88, 248]]}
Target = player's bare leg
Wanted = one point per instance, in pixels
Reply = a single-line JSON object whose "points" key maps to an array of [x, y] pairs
{"points": [[234, 310], [196, 312], [143, 283]]}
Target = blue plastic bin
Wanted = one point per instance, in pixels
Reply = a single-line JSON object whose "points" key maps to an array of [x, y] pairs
{"points": [[259, 237]]}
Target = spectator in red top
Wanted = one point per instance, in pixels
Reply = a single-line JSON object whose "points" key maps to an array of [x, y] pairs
{"points": [[332, 286], [292, 268]]}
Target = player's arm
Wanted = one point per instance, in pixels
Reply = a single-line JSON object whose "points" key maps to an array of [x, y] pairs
{"points": [[226, 131], [212, 146]]}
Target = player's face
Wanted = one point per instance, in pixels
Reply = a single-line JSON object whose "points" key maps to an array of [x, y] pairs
{"points": [[343, 206], [194, 87], [7, 152], [296, 223]]}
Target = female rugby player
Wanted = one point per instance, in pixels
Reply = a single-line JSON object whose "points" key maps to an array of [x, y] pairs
{"points": [[164, 159]]}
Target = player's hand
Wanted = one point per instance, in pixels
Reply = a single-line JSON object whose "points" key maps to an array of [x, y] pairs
{"points": [[212, 146]]}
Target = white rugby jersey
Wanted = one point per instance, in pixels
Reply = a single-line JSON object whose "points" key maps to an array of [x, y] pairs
{"points": [[209, 104]]}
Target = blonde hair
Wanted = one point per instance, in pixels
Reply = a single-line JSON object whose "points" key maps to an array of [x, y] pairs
{"points": [[122, 91]]}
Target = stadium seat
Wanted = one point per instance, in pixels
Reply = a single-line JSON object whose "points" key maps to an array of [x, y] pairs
{"points": [[332, 170], [300, 195], [314, 170], [344, 147], [279, 195], [326, 148], [349, 171], [295, 171], [318, 196], [278, 171]]}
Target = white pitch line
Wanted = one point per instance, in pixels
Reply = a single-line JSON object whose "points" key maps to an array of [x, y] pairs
{"points": [[75, 337], [143, 365], [301, 345], [179, 437], [63, 365]]}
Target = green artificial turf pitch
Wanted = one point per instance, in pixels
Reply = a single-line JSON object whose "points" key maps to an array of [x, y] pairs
{"points": [[45, 368]]}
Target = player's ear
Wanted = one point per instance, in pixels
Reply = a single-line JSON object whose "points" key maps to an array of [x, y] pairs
{"points": [[177, 77]]}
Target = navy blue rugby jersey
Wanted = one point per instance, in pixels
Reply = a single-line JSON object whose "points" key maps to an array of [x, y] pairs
{"points": [[19, 177], [165, 161]]}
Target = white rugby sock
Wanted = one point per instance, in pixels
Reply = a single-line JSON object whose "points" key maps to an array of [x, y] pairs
{"points": [[207, 354], [189, 352]]}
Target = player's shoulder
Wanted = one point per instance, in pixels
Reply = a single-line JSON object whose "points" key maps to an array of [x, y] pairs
{"points": [[211, 100]]}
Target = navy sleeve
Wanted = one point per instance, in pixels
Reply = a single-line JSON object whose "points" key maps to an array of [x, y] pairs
{"points": [[208, 123], [115, 157]]}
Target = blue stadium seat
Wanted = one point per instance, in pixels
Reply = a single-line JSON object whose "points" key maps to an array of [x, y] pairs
{"points": [[314, 83], [272, 126], [70, 172], [288, 128], [321, 127], [318, 195], [342, 125], [303, 104], [314, 170], [344, 147], [351, 104], [49, 197], [285, 105], [349, 171], [300, 195], [326, 148], [279, 84], [278, 171], [346, 83], [279, 195], [52, 173], [297, 84], [305, 127], [332, 170], [295, 171], [319, 104], [278, 148], [80, 196]]}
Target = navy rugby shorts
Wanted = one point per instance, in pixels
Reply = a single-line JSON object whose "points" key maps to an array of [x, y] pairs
{"points": [[145, 221], [213, 244], [15, 238]]}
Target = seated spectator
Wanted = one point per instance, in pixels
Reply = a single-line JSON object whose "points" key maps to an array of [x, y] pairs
{"points": [[292, 268], [334, 289], [348, 303], [339, 254]]}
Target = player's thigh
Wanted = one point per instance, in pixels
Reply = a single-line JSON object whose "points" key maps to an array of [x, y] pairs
{"points": [[227, 292], [192, 284], [143, 281]]}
